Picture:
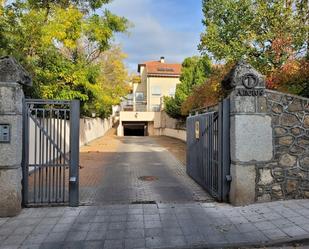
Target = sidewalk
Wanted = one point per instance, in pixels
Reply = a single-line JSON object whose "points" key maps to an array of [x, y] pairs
{"points": [[156, 226]]}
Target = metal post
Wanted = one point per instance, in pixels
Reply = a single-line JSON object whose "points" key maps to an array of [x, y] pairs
{"points": [[25, 156], [226, 161], [74, 148], [221, 141]]}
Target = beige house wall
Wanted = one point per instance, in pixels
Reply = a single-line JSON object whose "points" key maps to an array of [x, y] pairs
{"points": [[142, 87], [166, 84]]}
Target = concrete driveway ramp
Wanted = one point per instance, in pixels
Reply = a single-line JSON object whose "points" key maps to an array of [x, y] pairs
{"points": [[135, 170]]}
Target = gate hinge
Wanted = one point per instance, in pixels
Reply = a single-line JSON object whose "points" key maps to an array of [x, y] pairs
{"points": [[229, 178]]}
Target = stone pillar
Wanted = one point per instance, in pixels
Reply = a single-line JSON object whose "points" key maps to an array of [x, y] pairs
{"points": [[12, 75], [250, 130]]}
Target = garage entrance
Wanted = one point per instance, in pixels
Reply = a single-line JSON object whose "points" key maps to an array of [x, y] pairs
{"points": [[135, 129]]}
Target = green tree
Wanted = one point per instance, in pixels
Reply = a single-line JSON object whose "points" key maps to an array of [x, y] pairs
{"points": [[63, 43], [194, 72], [264, 32]]}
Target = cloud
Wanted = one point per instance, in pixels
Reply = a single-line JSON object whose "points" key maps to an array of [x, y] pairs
{"points": [[161, 28]]}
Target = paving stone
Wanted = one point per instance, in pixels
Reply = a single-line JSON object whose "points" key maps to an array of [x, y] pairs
{"points": [[34, 239], [116, 225], [118, 218], [256, 237], [56, 237], [135, 211], [153, 242], [294, 231], [115, 234], [195, 239], [76, 236], [135, 224], [135, 217], [281, 223], [99, 227], [84, 227], [299, 220], [134, 233], [275, 234], [113, 244], [134, 243], [213, 229], [96, 235], [49, 221], [152, 224], [236, 238], [151, 217], [24, 230], [61, 228], [264, 225], [67, 220], [153, 232], [246, 227], [14, 240], [93, 244], [172, 231]]}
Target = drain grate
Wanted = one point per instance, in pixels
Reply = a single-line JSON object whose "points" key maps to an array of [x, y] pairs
{"points": [[143, 202], [148, 178]]}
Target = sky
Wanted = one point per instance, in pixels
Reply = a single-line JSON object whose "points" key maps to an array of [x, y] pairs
{"points": [[169, 28]]}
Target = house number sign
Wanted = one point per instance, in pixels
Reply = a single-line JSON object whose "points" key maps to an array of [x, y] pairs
{"points": [[250, 81], [197, 129]]}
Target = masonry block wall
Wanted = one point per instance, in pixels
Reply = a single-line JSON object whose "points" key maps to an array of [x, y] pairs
{"points": [[12, 75], [269, 140], [286, 176]]}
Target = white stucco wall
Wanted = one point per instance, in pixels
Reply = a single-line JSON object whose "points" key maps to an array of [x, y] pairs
{"points": [[90, 129], [179, 134], [93, 128]]}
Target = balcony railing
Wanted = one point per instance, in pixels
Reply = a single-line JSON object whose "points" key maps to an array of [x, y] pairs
{"points": [[128, 106]]}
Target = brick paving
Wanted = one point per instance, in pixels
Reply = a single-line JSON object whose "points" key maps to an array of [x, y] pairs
{"points": [[156, 226], [112, 167]]}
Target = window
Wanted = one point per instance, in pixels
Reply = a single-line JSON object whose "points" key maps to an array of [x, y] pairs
{"points": [[156, 91], [155, 108], [172, 91], [139, 96]]}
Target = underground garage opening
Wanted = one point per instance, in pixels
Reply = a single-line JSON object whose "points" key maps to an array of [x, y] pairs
{"points": [[135, 129]]}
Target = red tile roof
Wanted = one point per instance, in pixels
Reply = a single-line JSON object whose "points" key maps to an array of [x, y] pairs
{"points": [[158, 68]]}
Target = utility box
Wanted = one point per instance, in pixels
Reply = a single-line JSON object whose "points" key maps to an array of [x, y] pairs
{"points": [[5, 133]]}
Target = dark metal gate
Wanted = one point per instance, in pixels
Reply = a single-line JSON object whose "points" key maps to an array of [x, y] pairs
{"points": [[208, 155], [50, 152]]}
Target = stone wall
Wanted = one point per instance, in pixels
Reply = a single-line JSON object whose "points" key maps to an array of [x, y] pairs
{"points": [[286, 176], [269, 140]]}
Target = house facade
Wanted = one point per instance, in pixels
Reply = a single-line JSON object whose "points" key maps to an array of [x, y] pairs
{"points": [[140, 115]]}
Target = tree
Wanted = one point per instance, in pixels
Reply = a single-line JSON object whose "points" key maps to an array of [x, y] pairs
{"points": [[209, 93], [264, 32], [194, 72], [62, 43]]}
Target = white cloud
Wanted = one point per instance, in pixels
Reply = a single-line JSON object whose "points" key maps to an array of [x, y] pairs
{"points": [[151, 36]]}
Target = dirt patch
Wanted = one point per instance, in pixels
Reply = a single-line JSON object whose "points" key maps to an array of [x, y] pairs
{"points": [[175, 146]]}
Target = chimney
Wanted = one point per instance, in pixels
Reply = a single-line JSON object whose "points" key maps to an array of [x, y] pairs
{"points": [[162, 59]]}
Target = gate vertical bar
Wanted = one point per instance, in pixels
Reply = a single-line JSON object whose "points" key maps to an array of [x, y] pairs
{"points": [[74, 148], [226, 160], [220, 151], [25, 155]]}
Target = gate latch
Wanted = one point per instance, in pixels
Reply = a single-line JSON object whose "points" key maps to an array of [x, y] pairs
{"points": [[73, 179], [229, 178]]}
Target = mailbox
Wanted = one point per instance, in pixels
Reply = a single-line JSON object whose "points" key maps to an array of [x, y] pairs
{"points": [[5, 133]]}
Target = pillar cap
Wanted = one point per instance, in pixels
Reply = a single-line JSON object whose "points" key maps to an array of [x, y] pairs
{"points": [[243, 75], [12, 72]]}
